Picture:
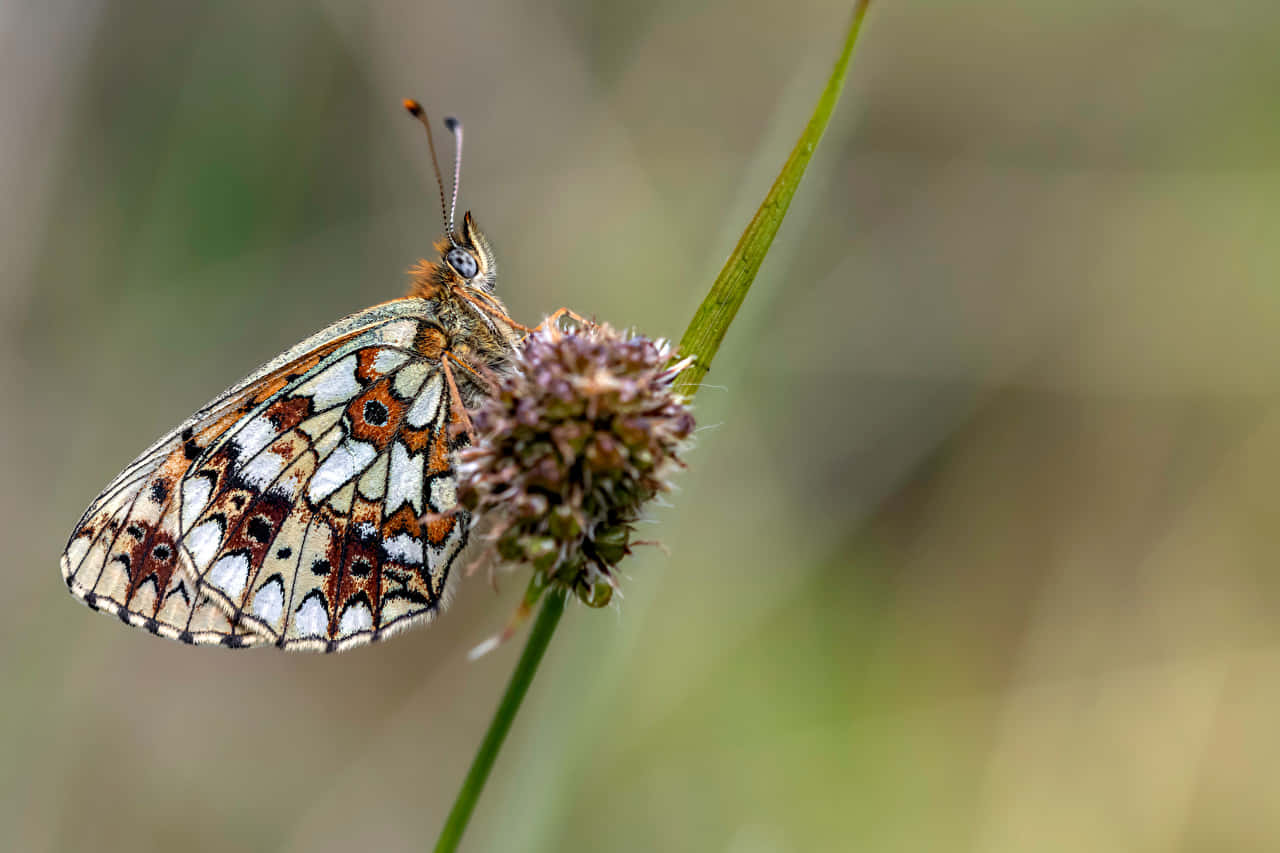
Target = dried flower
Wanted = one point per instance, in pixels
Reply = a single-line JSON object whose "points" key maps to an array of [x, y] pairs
{"points": [[573, 441]]}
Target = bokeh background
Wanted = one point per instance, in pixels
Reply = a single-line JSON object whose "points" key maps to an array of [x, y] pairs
{"points": [[976, 551]]}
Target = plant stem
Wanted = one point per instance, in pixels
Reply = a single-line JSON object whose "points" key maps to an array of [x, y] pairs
{"points": [[539, 637], [707, 329]]}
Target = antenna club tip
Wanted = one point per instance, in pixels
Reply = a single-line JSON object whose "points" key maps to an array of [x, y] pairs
{"points": [[414, 108], [452, 122]]}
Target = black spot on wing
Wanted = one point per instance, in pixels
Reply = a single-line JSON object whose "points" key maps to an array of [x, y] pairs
{"points": [[375, 414], [259, 529]]}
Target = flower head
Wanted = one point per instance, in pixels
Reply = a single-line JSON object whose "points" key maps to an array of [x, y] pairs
{"points": [[571, 444]]}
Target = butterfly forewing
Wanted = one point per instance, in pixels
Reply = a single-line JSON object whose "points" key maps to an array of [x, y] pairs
{"points": [[290, 510]]}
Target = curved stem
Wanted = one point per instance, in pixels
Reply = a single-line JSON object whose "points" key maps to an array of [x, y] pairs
{"points": [[521, 677]]}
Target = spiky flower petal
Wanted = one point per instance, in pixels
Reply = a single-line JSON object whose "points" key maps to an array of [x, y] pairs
{"points": [[573, 441]]}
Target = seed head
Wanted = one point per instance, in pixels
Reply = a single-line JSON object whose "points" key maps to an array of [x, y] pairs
{"points": [[574, 440]]}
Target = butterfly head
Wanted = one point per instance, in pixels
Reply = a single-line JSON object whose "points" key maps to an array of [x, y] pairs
{"points": [[465, 264], [469, 257]]}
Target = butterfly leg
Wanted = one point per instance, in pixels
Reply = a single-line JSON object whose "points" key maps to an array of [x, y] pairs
{"points": [[555, 316], [455, 398], [447, 360], [551, 321]]}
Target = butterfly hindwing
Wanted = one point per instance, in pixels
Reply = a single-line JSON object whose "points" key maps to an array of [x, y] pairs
{"points": [[124, 557], [329, 552], [216, 533]]}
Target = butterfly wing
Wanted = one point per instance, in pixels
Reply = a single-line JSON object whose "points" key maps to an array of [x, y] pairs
{"points": [[309, 532], [124, 556], [288, 510]]}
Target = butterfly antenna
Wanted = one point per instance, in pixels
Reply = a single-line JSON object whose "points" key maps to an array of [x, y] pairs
{"points": [[455, 127], [415, 109]]}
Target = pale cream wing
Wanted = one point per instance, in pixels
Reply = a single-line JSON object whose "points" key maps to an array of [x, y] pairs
{"points": [[130, 554]]}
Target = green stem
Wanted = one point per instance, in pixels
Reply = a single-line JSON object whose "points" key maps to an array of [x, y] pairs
{"points": [[709, 324], [702, 340], [539, 637]]}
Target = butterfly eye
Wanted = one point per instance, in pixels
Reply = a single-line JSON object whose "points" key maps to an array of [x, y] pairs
{"points": [[461, 260]]}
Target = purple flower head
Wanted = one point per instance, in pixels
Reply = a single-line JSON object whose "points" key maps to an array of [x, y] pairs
{"points": [[574, 440]]}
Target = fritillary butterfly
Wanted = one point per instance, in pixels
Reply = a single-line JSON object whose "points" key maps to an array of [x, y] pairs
{"points": [[312, 505]]}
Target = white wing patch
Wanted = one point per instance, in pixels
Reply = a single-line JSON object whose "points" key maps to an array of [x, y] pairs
{"points": [[356, 618], [268, 602], [404, 548], [424, 408], [253, 436], [195, 497], [263, 470], [202, 543], [336, 384], [349, 459], [388, 360], [312, 619], [404, 481], [230, 575]]}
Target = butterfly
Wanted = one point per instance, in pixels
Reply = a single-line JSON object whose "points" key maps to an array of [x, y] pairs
{"points": [[312, 505]]}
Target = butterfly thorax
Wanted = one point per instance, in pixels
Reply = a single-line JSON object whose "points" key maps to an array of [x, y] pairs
{"points": [[475, 337]]}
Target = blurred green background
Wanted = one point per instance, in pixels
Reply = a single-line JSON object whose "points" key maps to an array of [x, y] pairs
{"points": [[977, 547]]}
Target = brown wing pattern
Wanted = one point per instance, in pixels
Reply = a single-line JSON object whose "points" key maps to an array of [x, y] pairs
{"points": [[124, 556], [313, 538], [287, 511]]}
